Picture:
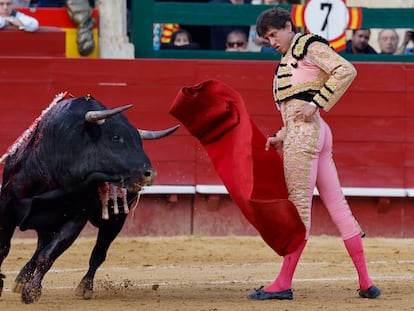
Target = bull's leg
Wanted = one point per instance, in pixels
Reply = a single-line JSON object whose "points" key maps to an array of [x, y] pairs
{"points": [[7, 227], [61, 241], [27, 272], [107, 233]]}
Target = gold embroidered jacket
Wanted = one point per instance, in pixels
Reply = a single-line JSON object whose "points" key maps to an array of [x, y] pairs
{"points": [[313, 71]]}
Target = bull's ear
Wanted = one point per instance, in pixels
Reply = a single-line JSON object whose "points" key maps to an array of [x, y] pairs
{"points": [[146, 135], [99, 116]]}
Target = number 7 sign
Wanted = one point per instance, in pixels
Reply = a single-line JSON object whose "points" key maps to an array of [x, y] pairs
{"points": [[329, 19]]}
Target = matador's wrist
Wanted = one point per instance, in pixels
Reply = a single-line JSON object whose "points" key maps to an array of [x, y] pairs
{"points": [[281, 133], [275, 134]]}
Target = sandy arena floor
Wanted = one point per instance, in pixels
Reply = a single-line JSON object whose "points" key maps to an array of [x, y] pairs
{"points": [[212, 274]]}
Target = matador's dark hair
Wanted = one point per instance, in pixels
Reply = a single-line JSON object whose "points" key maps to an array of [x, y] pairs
{"points": [[273, 18]]}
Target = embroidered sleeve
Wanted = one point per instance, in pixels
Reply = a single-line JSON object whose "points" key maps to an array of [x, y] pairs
{"points": [[341, 74]]}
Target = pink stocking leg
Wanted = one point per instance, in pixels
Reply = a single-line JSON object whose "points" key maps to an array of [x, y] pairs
{"points": [[356, 251], [285, 277]]}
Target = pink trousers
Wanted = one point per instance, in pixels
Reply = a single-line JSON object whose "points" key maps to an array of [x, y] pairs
{"points": [[308, 162]]}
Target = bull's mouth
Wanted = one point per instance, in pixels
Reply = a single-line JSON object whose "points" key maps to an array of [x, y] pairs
{"points": [[132, 182], [115, 190], [135, 184]]}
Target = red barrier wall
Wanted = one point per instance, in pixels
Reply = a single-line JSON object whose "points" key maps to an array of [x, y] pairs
{"points": [[47, 41], [372, 127]]}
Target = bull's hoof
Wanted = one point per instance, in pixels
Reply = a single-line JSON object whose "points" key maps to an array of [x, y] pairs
{"points": [[18, 286], [31, 294], [84, 289]]}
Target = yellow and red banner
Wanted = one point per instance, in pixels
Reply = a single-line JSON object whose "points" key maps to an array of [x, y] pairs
{"points": [[59, 17]]}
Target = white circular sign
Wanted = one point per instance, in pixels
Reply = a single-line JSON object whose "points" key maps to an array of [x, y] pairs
{"points": [[327, 18]]}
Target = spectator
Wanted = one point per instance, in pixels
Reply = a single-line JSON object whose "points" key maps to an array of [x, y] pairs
{"points": [[181, 39], [236, 41], [21, 3], [388, 41], [13, 19], [358, 44], [409, 36], [219, 33]]}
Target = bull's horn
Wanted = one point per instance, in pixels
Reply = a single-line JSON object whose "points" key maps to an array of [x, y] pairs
{"points": [[146, 135], [99, 116]]}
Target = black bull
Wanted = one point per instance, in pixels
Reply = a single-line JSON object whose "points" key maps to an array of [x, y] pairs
{"points": [[55, 180]]}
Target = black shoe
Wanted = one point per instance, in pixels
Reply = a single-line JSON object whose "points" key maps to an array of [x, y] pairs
{"points": [[260, 294], [372, 292]]}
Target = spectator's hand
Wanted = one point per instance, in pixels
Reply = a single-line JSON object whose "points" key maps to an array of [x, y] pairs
{"points": [[408, 37], [13, 21]]}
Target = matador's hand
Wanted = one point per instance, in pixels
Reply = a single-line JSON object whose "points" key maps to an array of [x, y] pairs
{"points": [[306, 112], [273, 141]]}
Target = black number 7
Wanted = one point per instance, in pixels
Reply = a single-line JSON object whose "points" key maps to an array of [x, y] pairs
{"points": [[323, 6]]}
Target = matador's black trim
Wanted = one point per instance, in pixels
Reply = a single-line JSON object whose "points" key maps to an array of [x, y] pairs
{"points": [[323, 97], [308, 38], [328, 89], [285, 75], [285, 87]]}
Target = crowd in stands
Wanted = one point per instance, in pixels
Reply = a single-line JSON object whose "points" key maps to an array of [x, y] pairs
{"points": [[237, 38], [388, 42], [224, 38]]}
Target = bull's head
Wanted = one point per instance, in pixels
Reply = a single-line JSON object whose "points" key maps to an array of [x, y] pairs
{"points": [[99, 117]]}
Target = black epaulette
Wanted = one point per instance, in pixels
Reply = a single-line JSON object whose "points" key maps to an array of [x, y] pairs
{"points": [[300, 48]]}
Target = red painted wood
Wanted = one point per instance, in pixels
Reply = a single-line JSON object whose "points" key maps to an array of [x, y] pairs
{"points": [[219, 216], [392, 154], [367, 129], [394, 220], [380, 77], [377, 177], [157, 215], [361, 104], [372, 127], [58, 17], [46, 42], [409, 177]]}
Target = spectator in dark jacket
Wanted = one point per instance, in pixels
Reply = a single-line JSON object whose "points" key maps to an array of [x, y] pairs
{"points": [[358, 44]]}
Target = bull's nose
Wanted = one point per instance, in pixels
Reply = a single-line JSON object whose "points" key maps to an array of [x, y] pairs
{"points": [[149, 176]]}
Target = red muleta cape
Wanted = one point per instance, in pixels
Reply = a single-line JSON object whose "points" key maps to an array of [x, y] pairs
{"points": [[216, 114]]}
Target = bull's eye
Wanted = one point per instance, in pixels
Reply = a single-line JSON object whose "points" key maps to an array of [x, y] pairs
{"points": [[117, 138]]}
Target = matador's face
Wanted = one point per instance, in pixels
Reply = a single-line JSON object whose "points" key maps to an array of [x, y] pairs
{"points": [[280, 39]]}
